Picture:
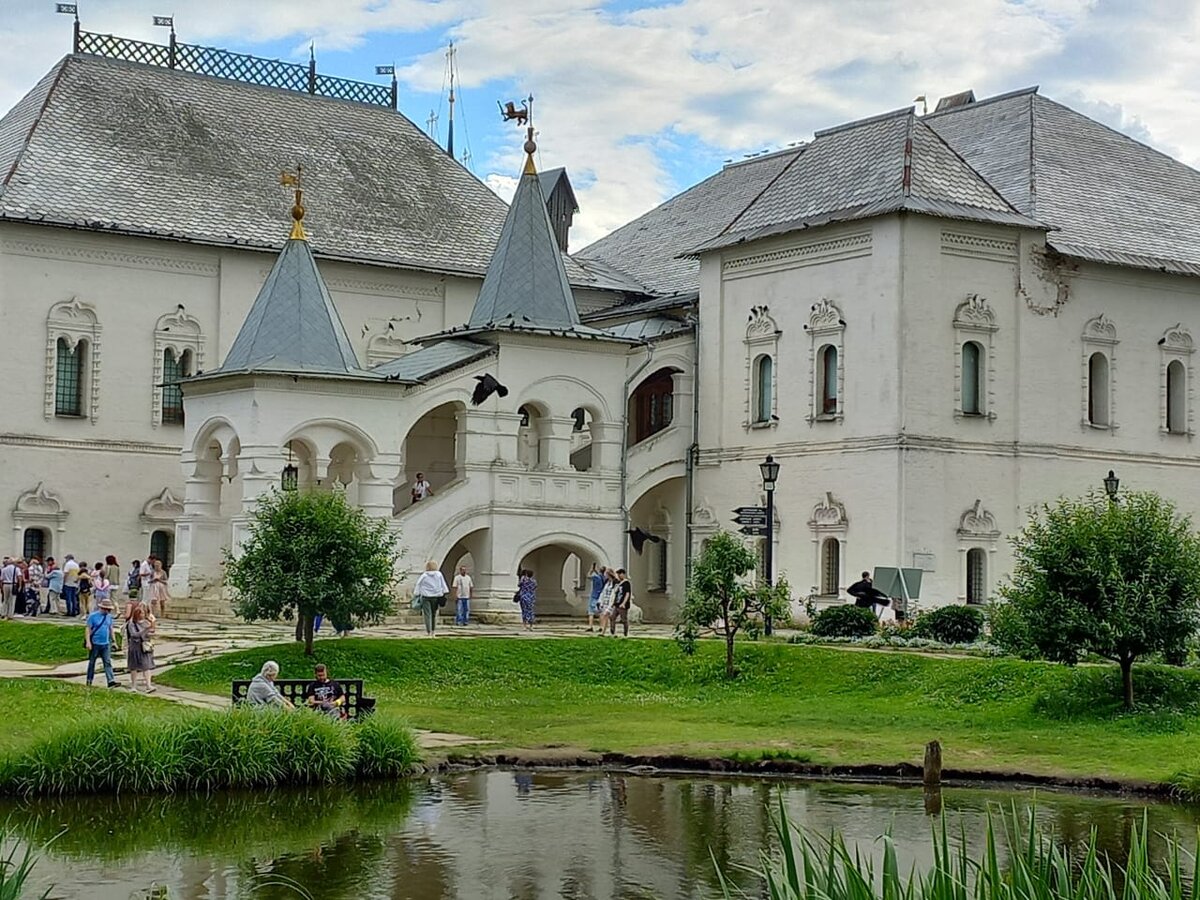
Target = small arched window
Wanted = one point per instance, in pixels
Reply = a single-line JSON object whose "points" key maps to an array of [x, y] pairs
{"points": [[68, 385], [831, 566], [1176, 397], [34, 543], [1098, 389], [976, 575], [972, 378], [174, 371], [764, 389], [827, 380]]}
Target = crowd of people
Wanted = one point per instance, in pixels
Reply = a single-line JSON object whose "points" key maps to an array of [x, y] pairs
{"points": [[74, 588]]}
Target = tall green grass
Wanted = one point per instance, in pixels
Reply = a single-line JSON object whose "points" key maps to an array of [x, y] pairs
{"points": [[16, 866], [206, 750], [810, 867]]}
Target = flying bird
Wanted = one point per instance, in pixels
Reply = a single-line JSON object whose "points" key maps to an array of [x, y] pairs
{"points": [[638, 538], [487, 386]]}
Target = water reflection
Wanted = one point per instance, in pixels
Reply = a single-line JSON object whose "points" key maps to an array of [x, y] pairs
{"points": [[502, 834]]}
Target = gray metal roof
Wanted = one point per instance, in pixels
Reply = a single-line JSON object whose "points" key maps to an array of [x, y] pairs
{"points": [[648, 248], [525, 281], [293, 325], [1112, 199], [649, 329], [423, 364], [117, 146], [549, 180]]}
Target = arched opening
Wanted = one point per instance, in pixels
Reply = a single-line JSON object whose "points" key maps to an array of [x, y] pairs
{"points": [[657, 573], [972, 378], [651, 406], [559, 570], [162, 547], [1176, 398], [217, 482], [35, 542], [582, 439], [431, 451], [831, 567], [976, 575], [827, 368], [68, 380], [531, 434], [174, 371], [345, 461], [764, 388], [1098, 389]]}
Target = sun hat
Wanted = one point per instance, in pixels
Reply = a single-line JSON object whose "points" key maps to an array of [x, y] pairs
{"points": [[106, 604]]}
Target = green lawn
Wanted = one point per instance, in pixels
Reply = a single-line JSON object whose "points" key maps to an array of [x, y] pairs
{"points": [[41, 642], [833, 705]]}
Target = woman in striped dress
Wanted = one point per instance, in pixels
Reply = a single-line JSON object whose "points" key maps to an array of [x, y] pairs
{"points": [[527, 594]]}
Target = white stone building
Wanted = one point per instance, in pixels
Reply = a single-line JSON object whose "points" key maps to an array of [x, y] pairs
{"points": [[933, 323]]}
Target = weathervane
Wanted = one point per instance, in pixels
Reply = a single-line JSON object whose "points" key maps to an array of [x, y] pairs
{"points": [[292, 179]]}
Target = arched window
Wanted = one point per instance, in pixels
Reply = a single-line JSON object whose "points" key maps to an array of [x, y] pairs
{"points": [[831, 566], [1176, 397], [162, 546], [174, 371], [652, 405], [827, 360], [34, 543], [976, 575], [764, 389], [68, 385], [1098, 389], [972, 378]]}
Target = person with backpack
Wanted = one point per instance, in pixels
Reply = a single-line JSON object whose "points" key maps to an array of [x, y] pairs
{"points": [[98, 639], [133, 580], [622, 600]]}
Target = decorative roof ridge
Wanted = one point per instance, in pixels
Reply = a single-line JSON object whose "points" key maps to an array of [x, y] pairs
{"points": [[1007, 95], [857, 123]]}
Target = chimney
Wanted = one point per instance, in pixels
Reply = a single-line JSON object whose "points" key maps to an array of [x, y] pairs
{"points": [[954, 101]]}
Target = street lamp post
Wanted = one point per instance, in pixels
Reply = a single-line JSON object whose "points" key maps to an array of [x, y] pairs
{"points": [[1111, 483], [770, 474]]}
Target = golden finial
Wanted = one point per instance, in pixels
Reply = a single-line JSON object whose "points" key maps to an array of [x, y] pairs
{"points": [[530, 149], [292, 179]]}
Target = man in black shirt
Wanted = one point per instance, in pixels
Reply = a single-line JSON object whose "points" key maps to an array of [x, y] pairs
{"points": [[866, 595], [326, 694], [621, 603]]}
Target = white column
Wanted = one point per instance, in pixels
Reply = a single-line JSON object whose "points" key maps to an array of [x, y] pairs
{"points": [[606, 446], [556, 441], [376, 481]]}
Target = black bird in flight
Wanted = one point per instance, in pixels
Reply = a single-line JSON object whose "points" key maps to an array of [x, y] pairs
{"points": [[638, 538], [487, 386]]}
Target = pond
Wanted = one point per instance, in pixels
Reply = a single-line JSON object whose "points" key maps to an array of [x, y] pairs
{"points": [[504, 834]]}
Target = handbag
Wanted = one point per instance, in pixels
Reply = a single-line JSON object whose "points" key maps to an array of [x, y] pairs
{"points": [[441, 601], [416, 601], [517, 597]]}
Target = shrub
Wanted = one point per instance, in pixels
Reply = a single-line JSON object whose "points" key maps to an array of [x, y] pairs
{"points": [[845, 621], [950, 624], [206, 750]]}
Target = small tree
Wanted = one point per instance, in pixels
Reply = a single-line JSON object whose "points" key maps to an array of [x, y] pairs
{"points": [[721, 602], [311, 553], [1117, 579]]}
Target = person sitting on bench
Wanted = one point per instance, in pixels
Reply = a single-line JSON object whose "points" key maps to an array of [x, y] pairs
{"points": [[325, 694], [262, 690]]}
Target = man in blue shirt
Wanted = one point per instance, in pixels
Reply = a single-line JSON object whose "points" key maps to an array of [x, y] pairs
{"points": [[597, 578], [98, 639]]}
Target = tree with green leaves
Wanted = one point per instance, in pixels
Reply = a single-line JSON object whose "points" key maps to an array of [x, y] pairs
{"points": [[1118, 579], [310, 553], [722, 601]]}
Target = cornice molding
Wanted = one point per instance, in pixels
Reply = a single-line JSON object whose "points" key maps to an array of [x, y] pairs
{"points": [[799, 255], [97, 444], [74, 252], [979, 246]]}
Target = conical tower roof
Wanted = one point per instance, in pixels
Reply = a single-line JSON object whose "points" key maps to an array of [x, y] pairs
{"points": [[526, 283], [293, 326]]}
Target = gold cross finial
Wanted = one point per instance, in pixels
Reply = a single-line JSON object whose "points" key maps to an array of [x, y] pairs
{"points": [[530, 148], [292, 179]]}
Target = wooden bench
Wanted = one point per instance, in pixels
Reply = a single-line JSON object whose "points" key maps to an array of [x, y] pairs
{"points": [[356, 704]]}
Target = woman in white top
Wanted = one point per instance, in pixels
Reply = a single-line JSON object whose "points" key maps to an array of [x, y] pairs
{"points": [[606, 599], [431, 588]]}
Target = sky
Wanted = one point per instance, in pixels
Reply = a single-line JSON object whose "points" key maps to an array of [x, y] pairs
{"points": [[641, 100]]}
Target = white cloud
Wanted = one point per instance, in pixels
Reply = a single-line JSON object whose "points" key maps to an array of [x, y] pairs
{"points": [[726, 77]]}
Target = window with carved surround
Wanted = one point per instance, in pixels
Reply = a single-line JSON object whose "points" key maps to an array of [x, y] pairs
{"points": [[72, 386], [384, 347], [1099, 373], [978, 541], [974, 360], [829, 526], [762, 369], [178, 353], [826, 363], [1175, 348]]}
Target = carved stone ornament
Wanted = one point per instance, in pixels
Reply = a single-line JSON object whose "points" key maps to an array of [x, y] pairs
{"points": [[1100, 328], [829, 513], [38, 502], [162, 507], [1177, 339], [760, 323], [385, 346], [975, 313], [978, 523], [1048, 284], [703, 515], [825, 316]]}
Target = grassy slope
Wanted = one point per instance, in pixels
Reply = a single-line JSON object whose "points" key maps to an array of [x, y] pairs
{"points": [[41, 643], [838, 705]]}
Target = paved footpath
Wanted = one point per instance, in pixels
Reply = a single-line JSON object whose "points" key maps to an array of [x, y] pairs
{"points": [[187, 641]]}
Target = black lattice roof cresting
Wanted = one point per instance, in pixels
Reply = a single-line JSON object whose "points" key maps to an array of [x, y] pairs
{"points": [[235, 66]]}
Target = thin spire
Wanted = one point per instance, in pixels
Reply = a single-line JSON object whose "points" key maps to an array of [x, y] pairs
{"points": [[293, 179]]}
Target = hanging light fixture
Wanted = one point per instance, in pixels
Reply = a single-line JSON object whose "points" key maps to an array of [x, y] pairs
{"points": [[290, 479]]}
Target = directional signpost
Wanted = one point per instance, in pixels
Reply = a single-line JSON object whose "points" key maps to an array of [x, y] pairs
{"points": [[753, 520]]}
